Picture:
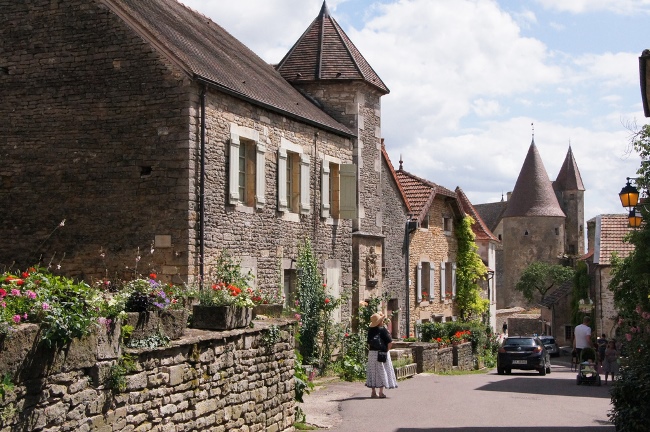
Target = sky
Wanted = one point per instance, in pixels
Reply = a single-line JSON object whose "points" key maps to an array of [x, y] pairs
{"points": [[471, 81]]}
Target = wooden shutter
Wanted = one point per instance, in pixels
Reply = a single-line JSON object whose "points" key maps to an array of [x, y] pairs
{"points": [[233, 177], [453, 280], [443, 280], [432, 281], [260, 175], [418, 279], [325, 189], [348, 191], [282, 180], [305, 186]]}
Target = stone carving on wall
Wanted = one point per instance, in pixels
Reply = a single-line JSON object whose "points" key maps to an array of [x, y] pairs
{"points": [[371, 267]]}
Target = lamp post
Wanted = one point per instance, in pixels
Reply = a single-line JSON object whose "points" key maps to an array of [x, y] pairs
{"points": [[629, 196]]}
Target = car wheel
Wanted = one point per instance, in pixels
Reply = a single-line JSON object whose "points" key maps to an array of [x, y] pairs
{"points": [[508, 371], [542, 371], [500, 371], [548, 369]]}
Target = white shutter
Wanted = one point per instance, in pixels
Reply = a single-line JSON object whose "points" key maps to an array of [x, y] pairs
{"points": [[260, 175], [348, 191], [418, 279], [442, 280], [305, 186], [233, 177], [282, 180], [325, 189], [432, 283], [453, 280]]}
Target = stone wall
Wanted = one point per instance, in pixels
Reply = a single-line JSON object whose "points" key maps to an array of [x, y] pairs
{"points": [[463, 358], [430, 358], [204, 381]]}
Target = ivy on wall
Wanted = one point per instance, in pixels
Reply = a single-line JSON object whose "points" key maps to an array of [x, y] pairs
{"points": [[469, 270]]}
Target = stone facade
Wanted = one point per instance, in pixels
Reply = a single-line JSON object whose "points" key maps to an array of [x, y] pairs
{"points": [[436, 248], [214, 381]]}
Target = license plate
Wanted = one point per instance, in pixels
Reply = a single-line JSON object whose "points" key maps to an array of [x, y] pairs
{"points": [[519, 362]]}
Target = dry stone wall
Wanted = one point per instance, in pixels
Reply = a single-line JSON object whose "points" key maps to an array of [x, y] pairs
{"points": [[205, 381]]}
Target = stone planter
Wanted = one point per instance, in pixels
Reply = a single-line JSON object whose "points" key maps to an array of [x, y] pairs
{"points": [[170, 323], [221, 317], [268, 310]]}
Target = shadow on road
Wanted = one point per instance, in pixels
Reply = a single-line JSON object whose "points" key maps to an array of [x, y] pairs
{"points": [[545, 385], [512, 429]]}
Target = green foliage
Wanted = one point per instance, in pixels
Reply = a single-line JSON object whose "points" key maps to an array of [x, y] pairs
{"points": [[631, 286], [117, 376], [156, 340], [226, 284], [270, 337], [6, 385], [469, 270], [580, 290], [303, 385], [540, 277]]}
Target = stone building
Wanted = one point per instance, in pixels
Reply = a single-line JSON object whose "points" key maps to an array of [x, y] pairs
{"points": [[605, 237], [540, 221], [141, 136]]}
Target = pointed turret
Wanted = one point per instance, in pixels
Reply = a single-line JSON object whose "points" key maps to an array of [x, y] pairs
{"points": [[533, 194], [569, 176], [324, 52]]}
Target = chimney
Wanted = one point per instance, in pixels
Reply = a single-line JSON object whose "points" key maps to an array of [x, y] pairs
{"points": [[508, 196]]}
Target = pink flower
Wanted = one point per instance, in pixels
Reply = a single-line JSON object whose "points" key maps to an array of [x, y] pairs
{"points": [[646, 315], [16, 318], [638, 309], [3, 304], [633, 329], [31, 294], [15, 292], [25, 315], [620, 321], [45, 306], [297, 316], [628, 337]]}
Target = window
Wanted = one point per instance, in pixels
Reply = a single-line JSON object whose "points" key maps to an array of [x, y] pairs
{"points": [[338, 189], [447, 225], [247, 163], [290, 284], [447, 279], [425, 222], [425, 281], [293, 179]]}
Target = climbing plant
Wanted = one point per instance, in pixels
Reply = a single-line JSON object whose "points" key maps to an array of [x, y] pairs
{"points": [[469, 270]]}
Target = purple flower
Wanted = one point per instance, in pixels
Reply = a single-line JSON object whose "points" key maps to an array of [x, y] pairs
{"points": [[31, 294], [25, 315], [16, 318], [45, 306], [15, 292]]}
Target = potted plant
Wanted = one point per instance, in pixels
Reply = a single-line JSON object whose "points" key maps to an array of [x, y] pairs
{"points": [[269, 305], [223, 307]]}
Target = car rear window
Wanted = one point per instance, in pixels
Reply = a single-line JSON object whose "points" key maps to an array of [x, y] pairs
{"points": [[548, 340], [519, 342]]}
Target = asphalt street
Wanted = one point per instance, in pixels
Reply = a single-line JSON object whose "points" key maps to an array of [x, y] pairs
{"points": [[523, 401]]}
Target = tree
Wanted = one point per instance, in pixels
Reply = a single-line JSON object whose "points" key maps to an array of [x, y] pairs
{"points": [[631, 286], [540, 278], [469, 270]]}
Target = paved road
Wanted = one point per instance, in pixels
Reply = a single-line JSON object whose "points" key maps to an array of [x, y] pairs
{"points": [[488, 402]]}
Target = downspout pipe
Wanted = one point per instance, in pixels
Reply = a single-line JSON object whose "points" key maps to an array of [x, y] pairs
{"points": [[202, 192], [406, 249]]}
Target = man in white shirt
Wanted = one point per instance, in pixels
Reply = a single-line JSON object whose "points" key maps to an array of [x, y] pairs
{"points": [[582, 336]]}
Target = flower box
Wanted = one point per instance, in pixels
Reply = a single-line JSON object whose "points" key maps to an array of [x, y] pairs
{"points": [[221, 317], [406, 371], [268, 310], [170, 322]]}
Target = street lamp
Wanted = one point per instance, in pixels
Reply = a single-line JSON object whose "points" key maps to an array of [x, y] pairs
{"points": [[629, 196]]}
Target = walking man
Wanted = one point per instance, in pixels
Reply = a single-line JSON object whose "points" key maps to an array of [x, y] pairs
{"points": [[582, 336]]}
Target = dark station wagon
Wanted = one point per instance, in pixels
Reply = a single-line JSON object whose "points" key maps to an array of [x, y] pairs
{"points": [[525, 353]]}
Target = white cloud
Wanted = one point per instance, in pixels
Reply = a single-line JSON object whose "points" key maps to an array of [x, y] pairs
{"points": [[622, 7]]}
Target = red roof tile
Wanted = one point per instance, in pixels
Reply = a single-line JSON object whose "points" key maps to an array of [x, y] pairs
{"points": [[391, 169], [609, 235], [481, 231], [420, 193]]}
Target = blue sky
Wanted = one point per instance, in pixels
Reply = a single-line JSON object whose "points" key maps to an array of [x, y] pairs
{"points": [[468, 77]]}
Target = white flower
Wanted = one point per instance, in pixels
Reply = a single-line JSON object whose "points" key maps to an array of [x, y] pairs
{"points": [[62, 223]]}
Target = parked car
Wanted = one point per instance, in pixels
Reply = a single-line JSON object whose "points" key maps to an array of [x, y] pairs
{"points": [[525, 353], [552, 348]]}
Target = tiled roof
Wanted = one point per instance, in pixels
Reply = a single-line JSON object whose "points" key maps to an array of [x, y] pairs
{"points": [[391, 169], [481, 231], [210, 54], [491, 213], [533, 194], [558, 294], [324, 52], [610, 232], [569, 176], [420, 193]]}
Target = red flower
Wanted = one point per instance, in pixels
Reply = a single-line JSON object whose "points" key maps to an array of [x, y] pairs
{"points": [[327, 300], [19, 282], [25, 275], [3, 293], [152, 275]]}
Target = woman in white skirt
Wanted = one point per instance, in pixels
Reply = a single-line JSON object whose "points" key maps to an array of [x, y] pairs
{"points": [[379, 374]]}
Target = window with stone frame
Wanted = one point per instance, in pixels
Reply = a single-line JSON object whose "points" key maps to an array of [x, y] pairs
{"points": [[447, 225], [289, 288], [338, 189], [448, 280], [425, 278], [293, 179], [246, 177]]}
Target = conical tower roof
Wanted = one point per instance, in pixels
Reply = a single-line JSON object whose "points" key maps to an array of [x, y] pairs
{"points": [[533, 194], [324, 52], [569, 176]]}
